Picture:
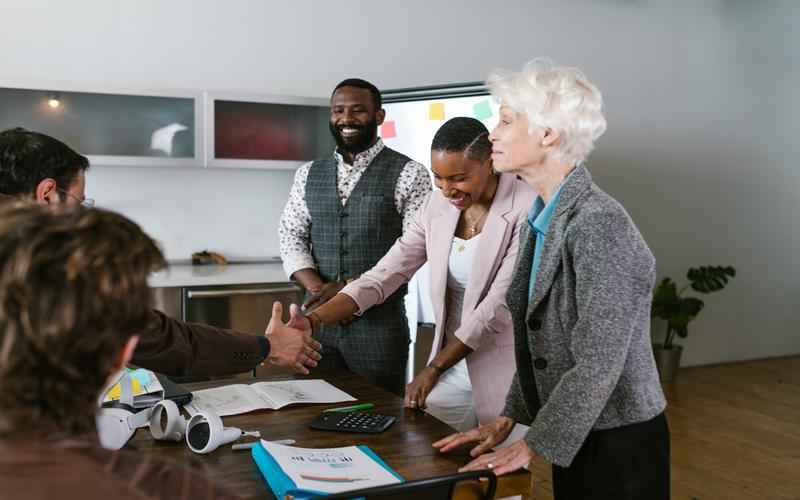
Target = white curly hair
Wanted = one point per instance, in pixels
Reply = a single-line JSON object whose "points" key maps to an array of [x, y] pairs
{"points": [[556, 97]]}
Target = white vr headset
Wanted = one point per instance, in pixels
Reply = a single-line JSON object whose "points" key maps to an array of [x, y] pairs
{"points": [[204, 432]]}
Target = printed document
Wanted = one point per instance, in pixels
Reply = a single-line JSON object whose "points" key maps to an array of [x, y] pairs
{"points": [[330, 470], [242, 398]]}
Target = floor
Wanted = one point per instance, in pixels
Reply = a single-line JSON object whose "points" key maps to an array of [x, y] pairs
{"points": [[735, 432]]}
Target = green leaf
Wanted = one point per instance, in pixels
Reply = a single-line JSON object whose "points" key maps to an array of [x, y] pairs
{"points": [[688, 308], [707, 279], [665, 300]]}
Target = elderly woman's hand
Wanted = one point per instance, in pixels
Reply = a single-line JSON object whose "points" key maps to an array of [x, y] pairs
{"points": [[419, 388], [504, 460], [488, 435]]}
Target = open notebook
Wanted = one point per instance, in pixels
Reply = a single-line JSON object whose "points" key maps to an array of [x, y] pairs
{"points": [[242, 398]]}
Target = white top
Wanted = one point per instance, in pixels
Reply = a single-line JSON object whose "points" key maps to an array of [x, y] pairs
{"points": [[459, 267]]}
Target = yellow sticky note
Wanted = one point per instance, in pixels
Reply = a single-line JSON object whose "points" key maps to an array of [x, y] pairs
{"points": [[436, 111], [115, 392]]}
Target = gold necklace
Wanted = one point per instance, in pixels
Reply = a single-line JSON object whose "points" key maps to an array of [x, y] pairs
{"points": [[472, 229]]}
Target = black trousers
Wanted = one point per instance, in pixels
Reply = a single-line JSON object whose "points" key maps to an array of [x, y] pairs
{"points": [[625, 463]]}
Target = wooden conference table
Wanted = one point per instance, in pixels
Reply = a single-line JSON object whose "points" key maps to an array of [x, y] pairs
{"points": [[405, 446]]}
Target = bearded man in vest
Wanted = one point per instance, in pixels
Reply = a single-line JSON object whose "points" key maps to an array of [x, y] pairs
{"points": [[344, 213]]}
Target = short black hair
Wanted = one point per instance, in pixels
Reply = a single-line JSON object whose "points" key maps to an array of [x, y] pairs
{"points": [[27, 158], [463, 134], [362, 84]]}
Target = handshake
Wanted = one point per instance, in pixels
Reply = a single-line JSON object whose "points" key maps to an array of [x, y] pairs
{"points": [[290, 343]]}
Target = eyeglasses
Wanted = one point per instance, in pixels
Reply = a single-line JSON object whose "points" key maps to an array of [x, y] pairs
{"points": [[85, 202]]}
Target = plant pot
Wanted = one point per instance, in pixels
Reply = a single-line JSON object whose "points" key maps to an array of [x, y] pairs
{"points": [[667, 361]]}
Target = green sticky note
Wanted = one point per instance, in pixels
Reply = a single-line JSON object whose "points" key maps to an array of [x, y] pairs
{"points": [[482, 110]]}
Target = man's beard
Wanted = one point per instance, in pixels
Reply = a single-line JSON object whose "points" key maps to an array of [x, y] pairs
{"points": [[360, 143]]}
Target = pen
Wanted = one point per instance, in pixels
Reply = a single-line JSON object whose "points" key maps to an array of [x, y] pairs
{"points": [[333, 479], [362, 406], [247, 446]]}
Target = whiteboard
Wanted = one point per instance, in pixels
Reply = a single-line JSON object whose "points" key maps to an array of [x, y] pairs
{"points": [[409, 126]]}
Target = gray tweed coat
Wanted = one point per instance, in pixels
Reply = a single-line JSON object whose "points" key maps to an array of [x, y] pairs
{"points": [[582, 343]]}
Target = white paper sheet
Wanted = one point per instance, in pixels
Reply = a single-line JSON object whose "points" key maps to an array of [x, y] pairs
{"points": [[242, 398]]}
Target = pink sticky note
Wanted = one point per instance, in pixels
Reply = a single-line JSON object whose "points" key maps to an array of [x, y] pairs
{"points": [[388, 130]]}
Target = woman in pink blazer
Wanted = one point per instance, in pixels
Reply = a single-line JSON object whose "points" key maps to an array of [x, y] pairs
{"points": [[469, 232]]}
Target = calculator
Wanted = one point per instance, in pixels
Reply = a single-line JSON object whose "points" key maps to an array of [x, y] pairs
{"points": [[353, 421]]}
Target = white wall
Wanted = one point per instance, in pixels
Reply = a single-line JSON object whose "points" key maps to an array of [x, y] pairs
{"points": [[699, 96]]}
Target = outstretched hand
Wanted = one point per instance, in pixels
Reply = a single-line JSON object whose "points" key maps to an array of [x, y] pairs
{"points": [[291, 344]]}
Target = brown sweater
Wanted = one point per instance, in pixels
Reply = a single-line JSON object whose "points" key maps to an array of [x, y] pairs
{"points": [[175, 348], [38, 468]]}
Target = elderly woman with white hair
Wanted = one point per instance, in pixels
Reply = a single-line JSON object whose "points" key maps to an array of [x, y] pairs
{"points": [[586, 380]]}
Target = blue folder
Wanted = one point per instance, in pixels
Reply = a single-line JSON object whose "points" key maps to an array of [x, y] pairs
{"points": [[282, 485]]}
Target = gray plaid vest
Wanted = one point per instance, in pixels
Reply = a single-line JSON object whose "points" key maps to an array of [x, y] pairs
{"points": [[349, 240]]}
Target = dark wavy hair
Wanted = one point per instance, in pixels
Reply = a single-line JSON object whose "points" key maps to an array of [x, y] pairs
{"points": [[463, 134], [27, 158], [73, 290]]}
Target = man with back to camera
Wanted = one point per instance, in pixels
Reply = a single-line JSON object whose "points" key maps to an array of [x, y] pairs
{"points": [[64, 334], [40, 168], [343, 214]]}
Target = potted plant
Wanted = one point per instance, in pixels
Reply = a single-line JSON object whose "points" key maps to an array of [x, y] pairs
{"points": [[669, 304]]}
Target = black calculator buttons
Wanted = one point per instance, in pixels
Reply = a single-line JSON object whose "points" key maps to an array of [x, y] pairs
{"points": [[352, 422]]}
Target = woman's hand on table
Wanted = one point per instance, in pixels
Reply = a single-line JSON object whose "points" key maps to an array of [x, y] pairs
{"points": [[504, 460], [419, 388], [487, 435]]}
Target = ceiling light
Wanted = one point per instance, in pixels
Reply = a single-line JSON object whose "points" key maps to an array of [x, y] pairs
{"points": [[54, 100]]}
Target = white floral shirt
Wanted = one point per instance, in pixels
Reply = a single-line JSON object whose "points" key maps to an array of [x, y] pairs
{"points": [[294, 230]]}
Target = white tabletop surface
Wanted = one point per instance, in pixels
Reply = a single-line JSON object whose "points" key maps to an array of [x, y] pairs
{"points": [[229, 274]]}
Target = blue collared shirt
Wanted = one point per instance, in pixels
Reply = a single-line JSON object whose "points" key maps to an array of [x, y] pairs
{"points": [[539, 219]]}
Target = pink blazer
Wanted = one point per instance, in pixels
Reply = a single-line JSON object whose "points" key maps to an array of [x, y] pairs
{"points": [[485, 319]]}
